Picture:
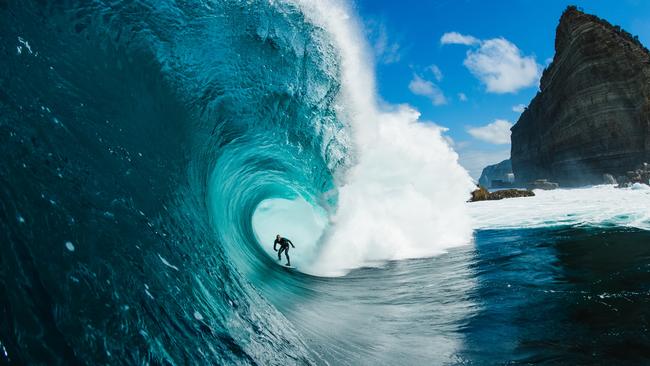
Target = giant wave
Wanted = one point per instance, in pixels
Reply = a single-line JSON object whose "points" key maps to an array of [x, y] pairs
{"points": [[151, 147]]}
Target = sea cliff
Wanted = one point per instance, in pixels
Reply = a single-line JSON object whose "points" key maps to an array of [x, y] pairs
{"points": [[592, 113]]}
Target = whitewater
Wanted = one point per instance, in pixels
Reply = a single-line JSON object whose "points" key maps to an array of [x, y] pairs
{"points": [[152, 150], [598, 207]]}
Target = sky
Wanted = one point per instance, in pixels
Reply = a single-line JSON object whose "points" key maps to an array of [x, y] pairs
{"points": [[470, 65]]}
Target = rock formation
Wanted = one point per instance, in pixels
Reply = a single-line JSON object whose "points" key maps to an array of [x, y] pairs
{"points": [[482, 194], [592, 114], [497, 172], [640, 175]]}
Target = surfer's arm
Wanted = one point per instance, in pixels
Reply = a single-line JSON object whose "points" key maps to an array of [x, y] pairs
{"points": [[291, 243], [275, 245]]}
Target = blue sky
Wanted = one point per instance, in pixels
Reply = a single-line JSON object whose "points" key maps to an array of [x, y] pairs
{"points": [[467, 64]]}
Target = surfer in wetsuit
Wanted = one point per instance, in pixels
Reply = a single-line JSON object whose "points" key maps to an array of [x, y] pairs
{"points": [[284, 247]]}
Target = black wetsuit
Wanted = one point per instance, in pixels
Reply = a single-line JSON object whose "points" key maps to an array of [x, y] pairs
{"points": [[284, 247]]}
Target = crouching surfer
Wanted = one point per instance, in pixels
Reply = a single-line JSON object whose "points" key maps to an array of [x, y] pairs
{"points": [[284, 247]]}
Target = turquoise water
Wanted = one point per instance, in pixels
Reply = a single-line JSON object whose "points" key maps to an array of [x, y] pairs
{"points": [[152, 149]]}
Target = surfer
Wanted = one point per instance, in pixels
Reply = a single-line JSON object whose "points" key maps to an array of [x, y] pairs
{"points": [[284, 247]]}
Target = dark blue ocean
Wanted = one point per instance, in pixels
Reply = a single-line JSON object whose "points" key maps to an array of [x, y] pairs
{"points": [[139, 138]]}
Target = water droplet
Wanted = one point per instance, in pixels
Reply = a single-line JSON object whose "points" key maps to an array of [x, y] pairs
{"points": [[69, 246]]}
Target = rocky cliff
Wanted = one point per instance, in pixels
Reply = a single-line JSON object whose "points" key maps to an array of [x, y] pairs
{"points": [[592, 114], [500, 171]]}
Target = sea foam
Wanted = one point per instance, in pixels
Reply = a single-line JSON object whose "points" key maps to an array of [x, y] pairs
{"points": [[599, 206]]}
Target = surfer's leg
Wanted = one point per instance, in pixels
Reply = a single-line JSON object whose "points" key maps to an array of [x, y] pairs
{"points": [[280, 253], [286, 253]]}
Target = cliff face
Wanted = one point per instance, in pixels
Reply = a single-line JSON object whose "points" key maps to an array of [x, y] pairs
{"points": [[498, 171], [592, 114]]}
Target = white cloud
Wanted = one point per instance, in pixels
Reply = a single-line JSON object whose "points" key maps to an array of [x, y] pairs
{"points": [[462, 97], [427, 89], [499, 64], [519, 108], [497, 132], [436, 72], [457, 38]]}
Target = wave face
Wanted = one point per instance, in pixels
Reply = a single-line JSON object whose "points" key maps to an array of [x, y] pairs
{"points": [[150, 148]]}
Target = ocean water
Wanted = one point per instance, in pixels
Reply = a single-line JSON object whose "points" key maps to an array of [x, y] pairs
{"points": [[153, 149]]}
